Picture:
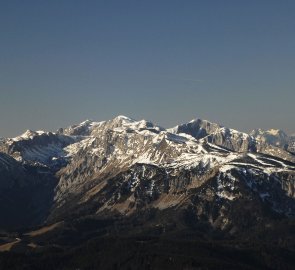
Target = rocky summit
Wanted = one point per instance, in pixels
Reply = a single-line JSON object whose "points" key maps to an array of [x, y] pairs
{"points": [[144, 186]]}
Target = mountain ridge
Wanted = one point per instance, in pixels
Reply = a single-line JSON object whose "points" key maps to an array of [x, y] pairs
{"points": [[85, 156], [133, 180]]}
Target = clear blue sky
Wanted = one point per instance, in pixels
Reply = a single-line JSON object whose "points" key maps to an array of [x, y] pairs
{"points": [[168, 61]]}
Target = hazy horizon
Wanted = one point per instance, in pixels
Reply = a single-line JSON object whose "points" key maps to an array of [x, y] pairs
{"points": [[229, 62], [137, 119]]}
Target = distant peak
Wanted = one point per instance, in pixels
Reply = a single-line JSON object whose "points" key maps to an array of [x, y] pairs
{"points": [[86, 122], [275, 131], [199, 120], [195, 120], [28, 134], [123, 117], [28, 131], [272, 132]]}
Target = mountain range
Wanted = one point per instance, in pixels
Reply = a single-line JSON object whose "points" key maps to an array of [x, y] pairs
{"points": [[137, 182]]}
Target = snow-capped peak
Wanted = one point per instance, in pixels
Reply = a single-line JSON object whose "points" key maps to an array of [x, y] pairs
{"points": [[29, 134], [199, 120], [82, 129], [86, 122], [123, 117]]}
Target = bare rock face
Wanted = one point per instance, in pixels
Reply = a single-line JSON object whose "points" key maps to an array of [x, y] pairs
{"points": [[233, 140], [276, 138], [213, 194], [196, 128], [217, 134], [291, 145]]}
